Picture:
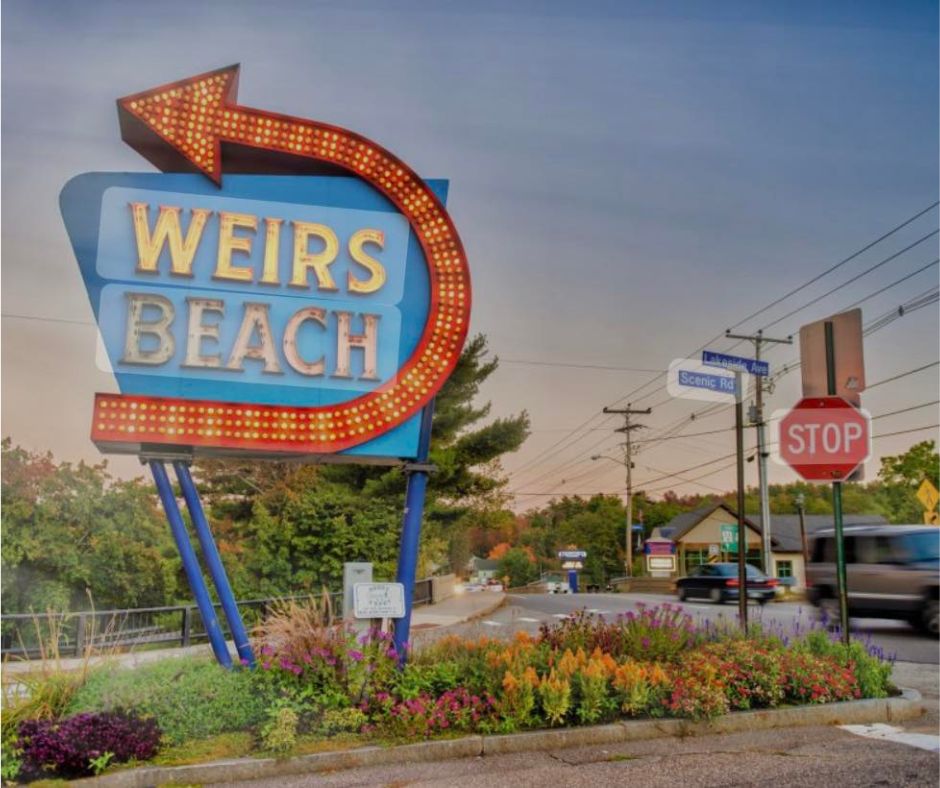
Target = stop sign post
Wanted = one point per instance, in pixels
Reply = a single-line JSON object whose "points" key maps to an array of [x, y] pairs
{"points": [[824, 439]]}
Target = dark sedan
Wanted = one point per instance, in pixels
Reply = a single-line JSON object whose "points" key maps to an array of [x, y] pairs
{"points": [[719, 583]]}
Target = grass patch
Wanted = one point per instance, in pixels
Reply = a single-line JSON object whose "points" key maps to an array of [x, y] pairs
{"points": [[190, 697], [215, 748], [619, 757]]}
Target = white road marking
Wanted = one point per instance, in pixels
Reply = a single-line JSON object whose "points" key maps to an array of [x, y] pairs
{"points": [[879, 730], [492, 623], [527, 619]]}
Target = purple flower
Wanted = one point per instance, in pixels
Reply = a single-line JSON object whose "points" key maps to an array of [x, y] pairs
{"points": [[646, 642], [355, 656]]}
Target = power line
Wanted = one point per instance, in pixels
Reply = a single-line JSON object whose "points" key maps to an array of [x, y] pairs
{"points": [[41, 319], [905, 410], [806, 284], [567, 438], [854, 279], [899, 376], [598, 492], [536, 363]]}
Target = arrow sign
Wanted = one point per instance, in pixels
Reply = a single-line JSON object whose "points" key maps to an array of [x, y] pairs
{"points": [[181, 127]]}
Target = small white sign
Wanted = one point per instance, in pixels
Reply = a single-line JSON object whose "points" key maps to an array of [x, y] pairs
{"points": [[689, 378], [379, 600]]}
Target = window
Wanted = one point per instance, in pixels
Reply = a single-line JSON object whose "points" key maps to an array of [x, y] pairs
{"points": [[784, 569], [694, 558]]}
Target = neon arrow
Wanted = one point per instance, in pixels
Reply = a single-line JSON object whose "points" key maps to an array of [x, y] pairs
{"points": [[181, 126]]}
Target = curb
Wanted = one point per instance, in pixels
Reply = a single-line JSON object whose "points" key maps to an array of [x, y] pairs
{"points": [[906, 706]]}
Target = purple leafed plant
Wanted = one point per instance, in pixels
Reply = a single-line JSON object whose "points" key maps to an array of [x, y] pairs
{"points": [[65, 748]]}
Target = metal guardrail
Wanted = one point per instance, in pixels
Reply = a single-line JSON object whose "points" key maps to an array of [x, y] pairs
{"points": [[28, 635]]}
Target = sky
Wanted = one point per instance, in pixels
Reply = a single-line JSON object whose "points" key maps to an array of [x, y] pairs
{"points": [[629, 179]]}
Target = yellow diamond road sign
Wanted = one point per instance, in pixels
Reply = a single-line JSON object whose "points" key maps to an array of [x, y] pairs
{"points": [[927, 494]]}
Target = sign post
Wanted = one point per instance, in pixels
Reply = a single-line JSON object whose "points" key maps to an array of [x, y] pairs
{"points": [[742, 532], [824, 439], [311, 315]]}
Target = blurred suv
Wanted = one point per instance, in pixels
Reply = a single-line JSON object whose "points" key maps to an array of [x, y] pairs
{"points": [[892, 571]]}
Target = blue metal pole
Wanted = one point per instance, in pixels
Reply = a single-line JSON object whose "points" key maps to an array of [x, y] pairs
{"points": [[190, 564], [411, 532], [210, 554]]}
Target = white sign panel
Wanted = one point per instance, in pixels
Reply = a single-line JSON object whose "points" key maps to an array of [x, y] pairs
{"points": [[689, 378], [379, 600]]}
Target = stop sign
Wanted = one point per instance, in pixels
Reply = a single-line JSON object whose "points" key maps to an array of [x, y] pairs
{"points": [[825, 438]]}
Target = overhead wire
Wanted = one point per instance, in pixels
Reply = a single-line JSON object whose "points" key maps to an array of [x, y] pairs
{"points": [[526, 466], [910, 306]]}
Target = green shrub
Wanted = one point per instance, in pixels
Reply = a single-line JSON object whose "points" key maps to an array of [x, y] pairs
{"points": [[279, 733], [432, 679], [872, 673], [348, 720], [190, 698]]}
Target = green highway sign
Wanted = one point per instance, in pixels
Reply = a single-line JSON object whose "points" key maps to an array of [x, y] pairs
{"points": [[729, 538]]}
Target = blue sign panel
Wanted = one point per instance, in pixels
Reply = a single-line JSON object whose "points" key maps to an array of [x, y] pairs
{"points": [[736, 363], [722, 384], [291, 291]]}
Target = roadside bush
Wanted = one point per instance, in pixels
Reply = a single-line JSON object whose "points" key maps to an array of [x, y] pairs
{"points": [[749, 672], [279, 733], [424, 716], [76, 746], [339, 670], [872, 672], [654, 634], [811, 679], [189, 697]]}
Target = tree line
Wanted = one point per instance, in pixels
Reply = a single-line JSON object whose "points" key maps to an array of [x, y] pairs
{"points": [[74, 536]]}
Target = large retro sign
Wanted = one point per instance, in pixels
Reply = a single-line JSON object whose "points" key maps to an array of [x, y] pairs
{"points": [[265, 314]]}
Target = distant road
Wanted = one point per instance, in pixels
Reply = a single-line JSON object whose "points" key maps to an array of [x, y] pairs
{"points": [[528, 611]]}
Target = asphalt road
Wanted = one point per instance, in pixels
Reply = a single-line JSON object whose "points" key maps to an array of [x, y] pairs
{"points": [[528, 611]]}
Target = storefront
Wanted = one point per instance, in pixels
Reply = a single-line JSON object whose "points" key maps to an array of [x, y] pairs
{"points": [[703, 536]]}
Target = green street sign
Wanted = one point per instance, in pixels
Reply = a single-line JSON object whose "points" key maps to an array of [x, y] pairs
{"points": [[729, 538]]}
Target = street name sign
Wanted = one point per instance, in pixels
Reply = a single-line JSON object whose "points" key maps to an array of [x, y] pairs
{"points": [[824, 438], [573, 555], [736, 363], [378, 600], [689, 378]]}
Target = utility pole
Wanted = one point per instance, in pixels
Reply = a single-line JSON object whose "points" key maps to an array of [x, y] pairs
{"points": [[758, 419], [627, 429]]}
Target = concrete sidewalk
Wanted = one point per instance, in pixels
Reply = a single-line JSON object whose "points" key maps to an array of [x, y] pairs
{"points": [[454, 610]]}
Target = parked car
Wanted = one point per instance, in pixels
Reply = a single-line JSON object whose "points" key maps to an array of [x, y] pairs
{"points": [[719, 583], [892, 571]]}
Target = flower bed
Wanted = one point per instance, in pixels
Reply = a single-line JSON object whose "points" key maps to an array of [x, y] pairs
{"points": [[317, 685]]}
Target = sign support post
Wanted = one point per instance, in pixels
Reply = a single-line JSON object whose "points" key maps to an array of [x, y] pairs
{"points": [[742, 528], [190, 564], [842, 582], [411, 531], [210, 553]]}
